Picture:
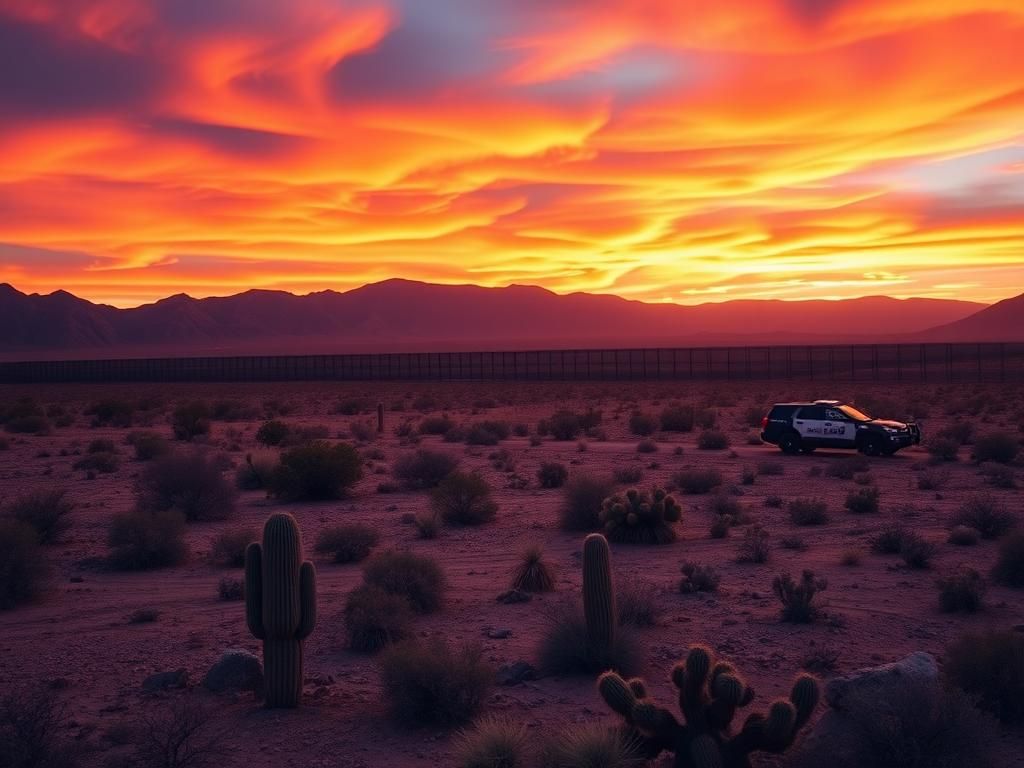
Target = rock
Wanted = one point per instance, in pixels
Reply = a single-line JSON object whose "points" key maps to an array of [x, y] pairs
{"points": [[499, 634], [514, 596], [162, 681], [878, 682], [515, 673], [236, 670]]}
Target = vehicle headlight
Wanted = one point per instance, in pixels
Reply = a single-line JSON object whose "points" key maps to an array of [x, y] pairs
{"points": [[891, 430]]}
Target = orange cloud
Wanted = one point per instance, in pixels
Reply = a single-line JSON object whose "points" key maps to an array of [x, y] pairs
{"points": [[664, 150]]}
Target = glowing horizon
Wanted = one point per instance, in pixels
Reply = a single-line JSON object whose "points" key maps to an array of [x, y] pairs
{"points": [[655, 149]]}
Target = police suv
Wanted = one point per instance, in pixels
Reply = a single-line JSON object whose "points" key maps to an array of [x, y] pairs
{"points": [[802, 427]]}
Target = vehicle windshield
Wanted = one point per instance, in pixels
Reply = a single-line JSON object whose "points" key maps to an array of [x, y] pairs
{"points": [[853, 413]]}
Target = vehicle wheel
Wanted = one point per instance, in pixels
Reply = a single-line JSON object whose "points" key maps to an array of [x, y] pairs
{"points": [[790, 443], [871, 446]]}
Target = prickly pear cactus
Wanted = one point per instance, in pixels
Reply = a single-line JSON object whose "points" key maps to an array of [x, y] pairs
{"points": [[710, 693], [280, 607], [641, 518]]}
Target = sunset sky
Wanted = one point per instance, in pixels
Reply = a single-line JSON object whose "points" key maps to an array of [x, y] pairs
{"points": [[664, 150]]}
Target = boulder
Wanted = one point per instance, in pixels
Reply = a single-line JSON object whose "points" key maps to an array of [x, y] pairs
{"points": [[515, 673], [236, 670], [878, 683]]}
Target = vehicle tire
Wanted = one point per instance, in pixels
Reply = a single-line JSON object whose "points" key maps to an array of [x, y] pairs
{"points": [[808, 449], [790, 443], [870, 446]]}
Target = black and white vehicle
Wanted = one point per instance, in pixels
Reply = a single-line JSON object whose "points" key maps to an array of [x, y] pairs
{"points": [[802, 427]]}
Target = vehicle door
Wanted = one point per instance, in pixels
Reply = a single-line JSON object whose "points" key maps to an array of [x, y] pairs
{"points": [[809, 421], [839, 430]]}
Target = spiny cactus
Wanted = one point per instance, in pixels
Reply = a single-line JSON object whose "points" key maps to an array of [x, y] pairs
{"points": [[710, 693], [797, 597], [641, 518], [280, 606], [599, 596]]}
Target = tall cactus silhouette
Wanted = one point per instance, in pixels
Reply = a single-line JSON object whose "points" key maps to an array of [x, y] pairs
{"points": [[280, 606], [710, 693], [599, 597]]}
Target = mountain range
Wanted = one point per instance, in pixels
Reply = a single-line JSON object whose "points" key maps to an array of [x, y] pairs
{"points": [[395, 315]]}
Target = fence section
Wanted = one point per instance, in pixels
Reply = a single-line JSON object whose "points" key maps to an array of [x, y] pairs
{"points": [[877, 362]]}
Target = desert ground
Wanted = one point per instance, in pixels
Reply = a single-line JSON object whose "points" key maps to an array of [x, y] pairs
{"points": [[78, 637]]}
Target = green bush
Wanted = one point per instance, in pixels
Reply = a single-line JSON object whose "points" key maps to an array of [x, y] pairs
{"points": [[141, 540], [375, 617], [433, 684], [347, 543], [582, 498], [424, 468], [316, 471], [45, 511], [463, 498], [698, 480], [1000, 447], [552, 474], [1009, 568], [191, 420], [23, 573], [990, 667], [417, 578], [961, 591], [191, 483]]}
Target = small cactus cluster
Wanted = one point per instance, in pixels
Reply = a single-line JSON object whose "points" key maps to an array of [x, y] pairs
{"points": [[280, 607], [641, 518], [797, 597], [710, 693]]}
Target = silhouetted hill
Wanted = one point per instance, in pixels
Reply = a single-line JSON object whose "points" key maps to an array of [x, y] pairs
{"points": [[1003, 321], [402, 314]]}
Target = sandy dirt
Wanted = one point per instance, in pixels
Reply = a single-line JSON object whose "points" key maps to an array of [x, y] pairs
{"points": [[79, 633]]}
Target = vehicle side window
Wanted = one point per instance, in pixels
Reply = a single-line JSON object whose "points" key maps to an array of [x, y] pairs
{"points": [[812, 413], [833, 415]]}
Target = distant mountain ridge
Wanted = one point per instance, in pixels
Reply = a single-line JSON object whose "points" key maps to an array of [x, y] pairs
{"points": [[395, 314]]}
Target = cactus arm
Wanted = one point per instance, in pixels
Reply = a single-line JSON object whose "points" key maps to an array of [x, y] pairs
{"points": [[254, 590], [307, 601]]}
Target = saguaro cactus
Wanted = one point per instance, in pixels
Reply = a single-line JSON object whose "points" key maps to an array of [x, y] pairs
{"points": [[710, 693], [280, 606], [599, 596]]}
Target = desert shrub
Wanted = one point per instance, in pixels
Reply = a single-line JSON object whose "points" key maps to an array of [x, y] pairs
{"points": [[628, 474], [233, 410], [794, 543], [488, 432], [916, 551], [347, 543], [698, 480], [315, 471], [272, 433], [725, 504], [963, 536], [754, 548], [590, 419], [434, 684], [1009, 567], [797, 597], [532, 573], [821, 658], [923, 724], [99, 461], [141, 540], [493, 743], [986, 515], [564, 649], [637, 602], [25, 416], [721, 526], [424, 468], [23, 573], [562, 425], [889, 540], [179, 733], [943, 448], [999, 476], [111, 412], [642, 424], [45, 511], [712, 440], [33, 729], [961, 591], [771, 467], [748, 476], [961, 432], [990, 667], [191, 483], [698, 578], [846, 468], [352, 406], [1000, 447], [417, 578], [808, 512], [191, 420], [463, 498], [592, 745], [257, 471], [582, 498], [375, 617], [931, 480], [552, 474], [428, 524], [143, 616], [647, 446], [638, 517], [230, 589], [862, 500], [435, 425], [677, 418], [773, 502], [228, 547], [148, 445]]}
